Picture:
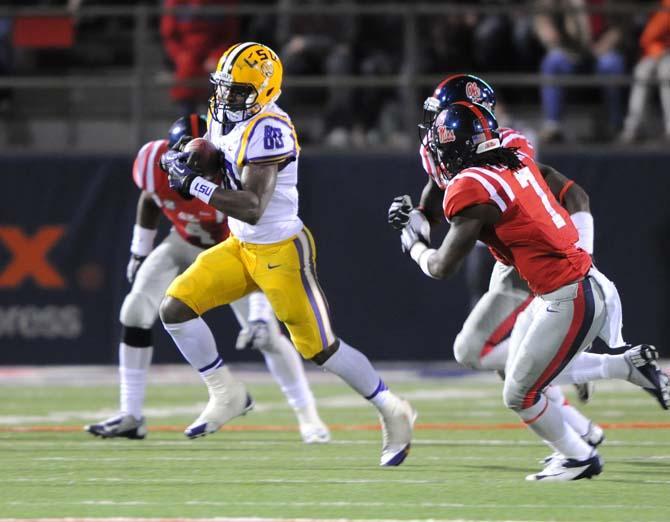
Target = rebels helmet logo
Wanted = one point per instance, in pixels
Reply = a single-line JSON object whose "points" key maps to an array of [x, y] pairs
{"points": [[445, 135], [473, 92]]}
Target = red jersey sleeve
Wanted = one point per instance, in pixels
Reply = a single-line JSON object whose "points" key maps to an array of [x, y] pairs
{"points": [[463, 192], [147, 173], [513, 138]]}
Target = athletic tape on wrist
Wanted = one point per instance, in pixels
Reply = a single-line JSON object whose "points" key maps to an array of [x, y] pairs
{"points": [[420, 254], [423, 261], [202, 189], [143, 240]]}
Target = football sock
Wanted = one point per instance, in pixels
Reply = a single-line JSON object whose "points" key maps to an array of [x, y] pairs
{"points": [[196, 343], [355, 369], [545, 419], [496, 358], [286, 367], [571, 415], [133, 368], [588, 367]]}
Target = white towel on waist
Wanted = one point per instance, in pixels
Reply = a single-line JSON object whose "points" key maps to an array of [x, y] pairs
{"points": [[611, 330]]}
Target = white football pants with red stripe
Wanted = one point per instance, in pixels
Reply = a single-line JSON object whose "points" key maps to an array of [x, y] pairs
{"points": [[483, 341], [548, 334]]}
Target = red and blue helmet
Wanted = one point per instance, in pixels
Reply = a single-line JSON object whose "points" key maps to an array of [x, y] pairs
{"points": [[194, 125], [460, 88], [460, 132]]}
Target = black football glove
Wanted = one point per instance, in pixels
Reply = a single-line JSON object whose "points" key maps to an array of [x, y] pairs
{"points": [[174, 151], [133, 266], [398, 215], [181, 173], [181, 143]]}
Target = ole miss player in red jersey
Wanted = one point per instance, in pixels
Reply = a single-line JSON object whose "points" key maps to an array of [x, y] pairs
{"points": [[498, 292], [497, 195], [195, 227]]}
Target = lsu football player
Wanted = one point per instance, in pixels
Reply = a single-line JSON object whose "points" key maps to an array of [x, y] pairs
{"points": [[195, 227], [269, 249]]}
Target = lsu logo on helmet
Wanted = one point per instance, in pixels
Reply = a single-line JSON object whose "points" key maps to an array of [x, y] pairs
{"points": [[247, 78]]}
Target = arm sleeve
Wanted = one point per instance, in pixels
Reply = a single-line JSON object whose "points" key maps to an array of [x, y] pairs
{"points": [[464, 193], [268, 139]]}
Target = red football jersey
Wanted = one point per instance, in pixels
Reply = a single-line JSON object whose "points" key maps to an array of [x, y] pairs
{"points": [[511, 138], [534, 233], [194, 220]]}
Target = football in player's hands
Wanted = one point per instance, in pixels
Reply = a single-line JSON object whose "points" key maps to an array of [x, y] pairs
{"points": [[204, 156]]}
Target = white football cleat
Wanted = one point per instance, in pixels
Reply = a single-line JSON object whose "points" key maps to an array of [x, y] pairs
{"points": [[228, 398], [314, 433], [562, 470], [121, 425], [644, 372], [312, 429], [397, 417]]}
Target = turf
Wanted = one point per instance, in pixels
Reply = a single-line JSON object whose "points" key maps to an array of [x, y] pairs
{"points": [[468, 460]]}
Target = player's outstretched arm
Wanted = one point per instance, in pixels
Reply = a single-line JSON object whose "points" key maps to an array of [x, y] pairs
{"points": [[431, 202], [144, 232], [465, 229], [248, 204], [148, 212]]}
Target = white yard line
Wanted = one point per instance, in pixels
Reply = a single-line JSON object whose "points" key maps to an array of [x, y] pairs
{"points": [[214, 443], [248, 519], [338, 503], [334, 402]]}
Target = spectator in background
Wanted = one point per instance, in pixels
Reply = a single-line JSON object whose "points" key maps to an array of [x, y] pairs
{"points": [[578, 41], [314, 43], [346, 44], [194, 41], [655, 63]]}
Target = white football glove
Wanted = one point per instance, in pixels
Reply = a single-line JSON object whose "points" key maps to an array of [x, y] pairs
{"points": [[417, 229], [255, 335]]}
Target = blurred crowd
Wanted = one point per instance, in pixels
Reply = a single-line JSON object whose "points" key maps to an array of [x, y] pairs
{"points": [[567, 37]]}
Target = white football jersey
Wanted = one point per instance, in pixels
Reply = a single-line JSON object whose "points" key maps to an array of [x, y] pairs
{"points": [[268, 137]]}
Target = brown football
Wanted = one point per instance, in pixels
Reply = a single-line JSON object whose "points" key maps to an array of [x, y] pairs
{"points": [[206, 157]]}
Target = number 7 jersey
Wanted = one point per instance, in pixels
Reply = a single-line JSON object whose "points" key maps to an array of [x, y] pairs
{"points": [[534, 233], [268, 137]]}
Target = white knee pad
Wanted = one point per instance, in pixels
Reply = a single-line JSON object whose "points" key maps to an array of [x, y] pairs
{"points": [[138, 311], [467, 347]]}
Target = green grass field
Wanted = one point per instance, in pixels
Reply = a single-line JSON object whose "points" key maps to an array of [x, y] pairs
{"points": [[468, 461]]}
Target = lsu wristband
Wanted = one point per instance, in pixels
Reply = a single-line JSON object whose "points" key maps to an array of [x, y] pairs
{"points": [[142, 242], [202, 189]]}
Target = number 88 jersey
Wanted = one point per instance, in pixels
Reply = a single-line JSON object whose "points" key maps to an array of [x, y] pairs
{"points": [[267, 138], [534, 233]]}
